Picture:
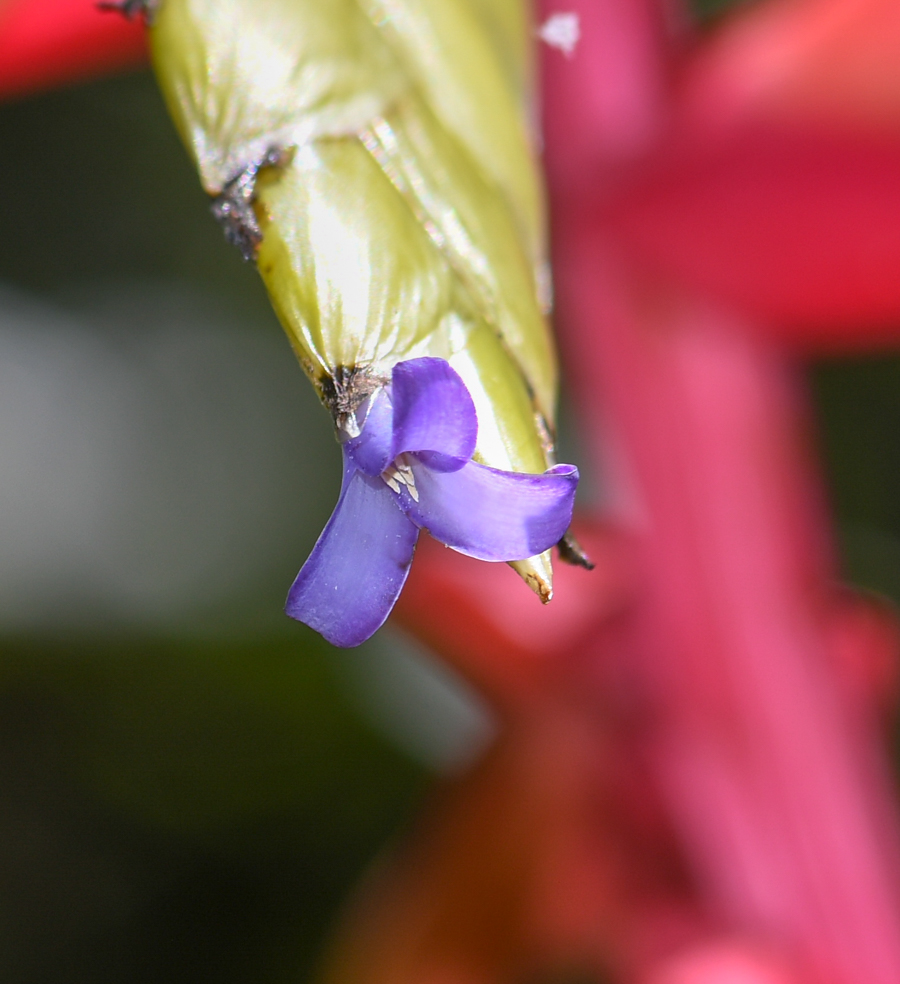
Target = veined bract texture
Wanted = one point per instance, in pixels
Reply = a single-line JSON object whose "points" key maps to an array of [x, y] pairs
{"points": [[375, 158]]}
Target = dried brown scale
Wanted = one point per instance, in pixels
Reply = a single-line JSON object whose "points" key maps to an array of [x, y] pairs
{"points": [[132, 8], [233, 206], [344, 390]]}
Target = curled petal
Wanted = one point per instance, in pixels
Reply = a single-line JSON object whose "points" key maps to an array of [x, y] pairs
{"points": [[349, 584], [373, 450], [492, 514], [433, 410]]}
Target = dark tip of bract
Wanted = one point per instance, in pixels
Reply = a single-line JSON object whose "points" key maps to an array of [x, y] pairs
{"points": [[571, 552]]}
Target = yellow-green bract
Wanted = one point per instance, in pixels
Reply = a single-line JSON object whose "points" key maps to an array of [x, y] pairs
{"points": [[404, 216]]}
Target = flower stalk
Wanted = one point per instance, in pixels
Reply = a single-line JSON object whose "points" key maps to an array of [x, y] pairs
{"points": [[390, 201]]}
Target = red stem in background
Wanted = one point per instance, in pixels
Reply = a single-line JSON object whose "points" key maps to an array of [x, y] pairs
{"points": [[52, 42], [772, 775]]}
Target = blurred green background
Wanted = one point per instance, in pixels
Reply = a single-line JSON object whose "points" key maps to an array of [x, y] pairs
{"points": [[190, 782]]}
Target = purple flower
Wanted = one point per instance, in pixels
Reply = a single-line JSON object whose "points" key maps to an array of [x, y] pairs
{"points": [[410, 469]]}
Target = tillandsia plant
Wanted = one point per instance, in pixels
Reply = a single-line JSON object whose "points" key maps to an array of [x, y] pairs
{"points": [[385, 188], [689, 784]]}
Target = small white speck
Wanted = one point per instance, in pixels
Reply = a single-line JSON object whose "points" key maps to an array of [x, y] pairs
{"points": [[561, 31]]}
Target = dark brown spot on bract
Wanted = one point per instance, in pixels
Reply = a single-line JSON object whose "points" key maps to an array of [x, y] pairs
{"points": [[233, 206]]}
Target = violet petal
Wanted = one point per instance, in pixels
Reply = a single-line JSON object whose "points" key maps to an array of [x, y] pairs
{"points": [[373, 450], [348, 586], [433, 411], [492, 514]]}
